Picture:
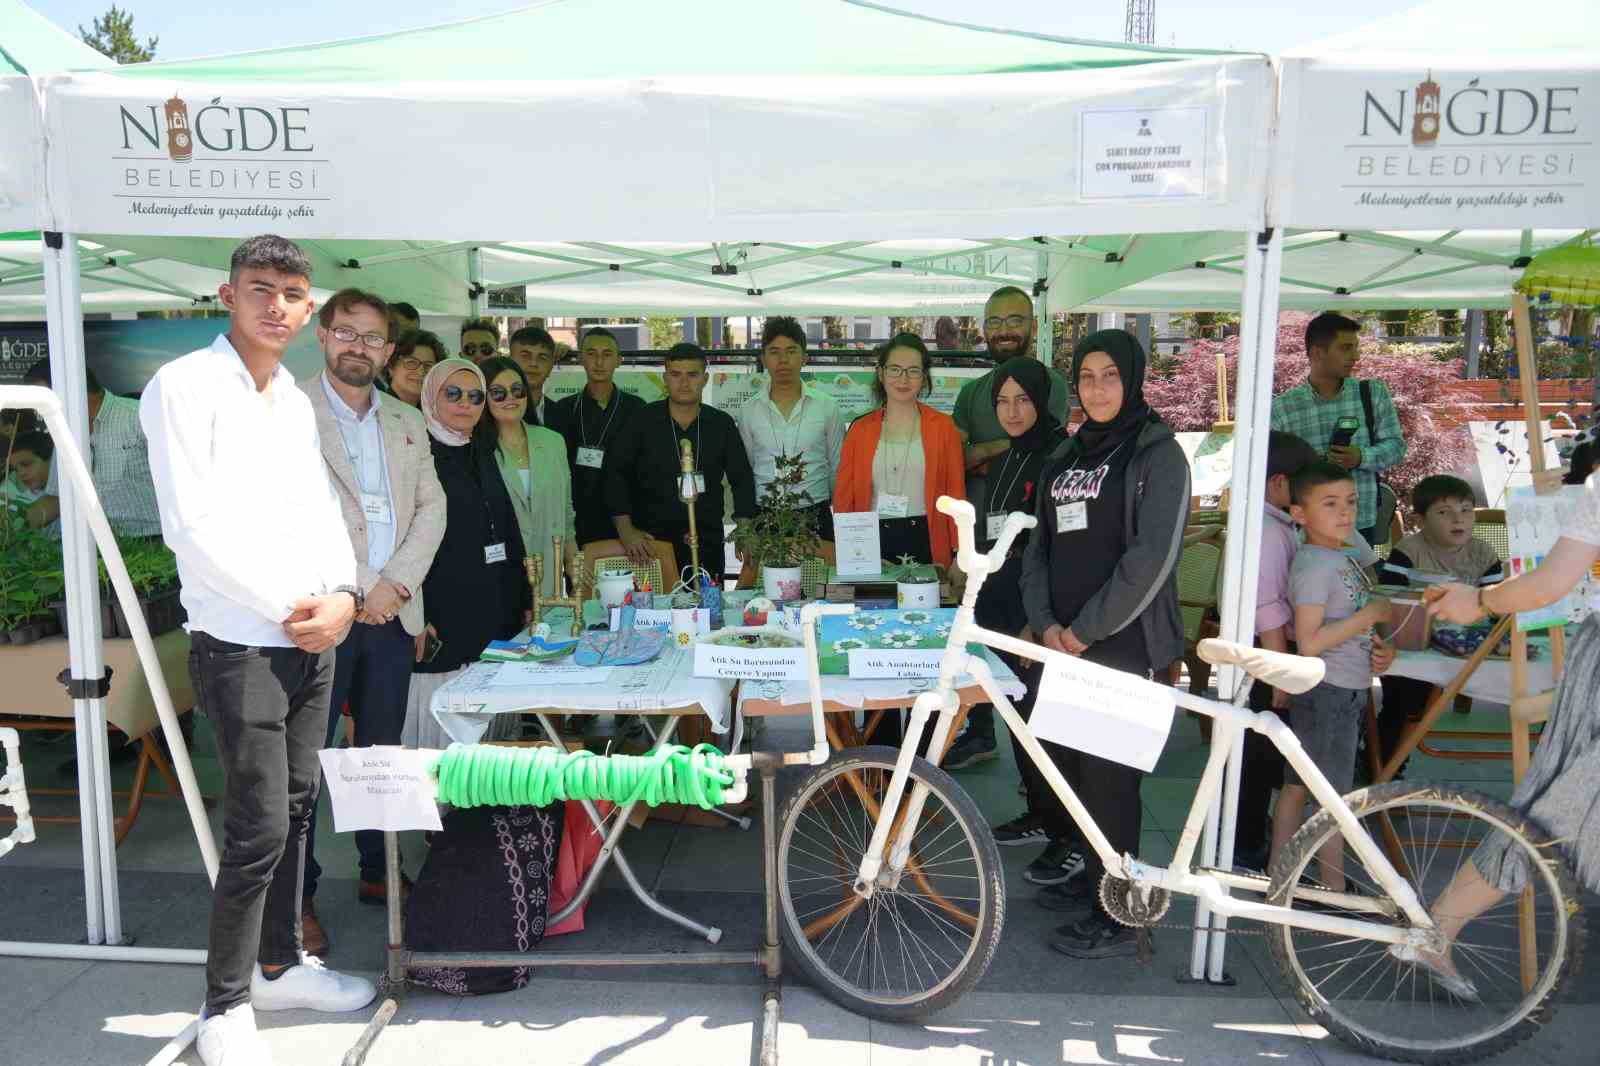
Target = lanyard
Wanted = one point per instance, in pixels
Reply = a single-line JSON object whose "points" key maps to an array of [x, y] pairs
{"points": [[901, 474], [677, 453], [779, 448], [473, 457], [583, 434], [1006, 492]]}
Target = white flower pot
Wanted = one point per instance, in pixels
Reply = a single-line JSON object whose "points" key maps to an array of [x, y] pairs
{"points": [[782, 583], [916, 594]]}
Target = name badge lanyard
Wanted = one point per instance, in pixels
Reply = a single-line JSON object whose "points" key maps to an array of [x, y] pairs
{"points": [[901, 475], [779, 438], [473, 457], [1106, 462], [583, 434], [359, 459], [699, 470], [1005, 493]]}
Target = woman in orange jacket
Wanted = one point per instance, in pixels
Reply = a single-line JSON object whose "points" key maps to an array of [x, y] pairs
{"points": [[899, 459]]}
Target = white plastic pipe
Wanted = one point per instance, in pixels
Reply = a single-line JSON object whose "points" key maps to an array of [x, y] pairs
{"points": [[14, 792], [103, 952], [1044, 347]]}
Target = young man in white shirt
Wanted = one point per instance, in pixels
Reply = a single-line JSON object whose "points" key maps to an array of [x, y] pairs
{"points": [[268, 577], [789, 417]]}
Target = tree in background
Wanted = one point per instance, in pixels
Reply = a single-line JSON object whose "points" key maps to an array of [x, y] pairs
{"points": [[113, 38], [1187, 395], [664, 331]]}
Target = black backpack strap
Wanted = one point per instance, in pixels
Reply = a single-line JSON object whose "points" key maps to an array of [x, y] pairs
{"points": [[1366, 408]]}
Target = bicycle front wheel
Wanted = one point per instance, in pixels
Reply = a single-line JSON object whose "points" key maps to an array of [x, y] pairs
{"points": [[910, 949], [1516, 954]]}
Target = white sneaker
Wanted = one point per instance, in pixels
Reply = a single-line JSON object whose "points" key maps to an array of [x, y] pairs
{"points": [[311, 986], [230, 1039]]}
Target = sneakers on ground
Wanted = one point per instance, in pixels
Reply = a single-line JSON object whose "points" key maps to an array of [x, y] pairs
{"points": [[1059, 863], [1075, 898], [1025, 828], [311, 986], [970, 750], [1096, 937], [230, 1039]]}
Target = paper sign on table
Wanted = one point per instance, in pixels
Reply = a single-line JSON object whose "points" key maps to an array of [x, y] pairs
{"points": [[561, 672], [750, 664], [388, 788], [894, 663], [656, 618], [1105, 712], [855, 542]]}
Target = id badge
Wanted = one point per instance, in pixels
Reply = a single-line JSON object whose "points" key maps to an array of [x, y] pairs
{"points": [[890, 506], [375, 505], [593, 458], [494, 553], [1071, 517], [996, 523]]}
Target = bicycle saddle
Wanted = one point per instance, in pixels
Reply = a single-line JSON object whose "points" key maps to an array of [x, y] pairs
{"points": [[1291, 673]]}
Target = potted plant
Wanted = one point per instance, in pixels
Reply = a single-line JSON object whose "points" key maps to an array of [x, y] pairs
{"points": [[917, 585], [780, 536]]}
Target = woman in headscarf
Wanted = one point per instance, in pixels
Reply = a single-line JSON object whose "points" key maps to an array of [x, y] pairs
{"points": [[533, 466], [476, 590], [1099, 581]]}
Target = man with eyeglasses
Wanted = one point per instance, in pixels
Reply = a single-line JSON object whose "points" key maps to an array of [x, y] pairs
{"points": [[534, 350], [1008, 328], [381, 466], [591, 420], [480, 339]]}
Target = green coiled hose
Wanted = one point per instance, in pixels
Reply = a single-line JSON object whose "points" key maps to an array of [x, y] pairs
{"points": [[479, 775]]}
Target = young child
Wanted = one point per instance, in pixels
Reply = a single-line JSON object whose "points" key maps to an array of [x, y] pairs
{"points": [[1334, 615], [1262, 770], [28, 475], [1444, 549]]}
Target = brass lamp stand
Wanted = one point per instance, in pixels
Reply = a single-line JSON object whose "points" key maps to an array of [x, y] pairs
{"points": [[688, 492], [578, 592]]}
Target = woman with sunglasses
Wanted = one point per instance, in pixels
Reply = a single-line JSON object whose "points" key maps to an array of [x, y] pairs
{"points": [[415, 353], [533, 467], [899, 459], [475, 591]]}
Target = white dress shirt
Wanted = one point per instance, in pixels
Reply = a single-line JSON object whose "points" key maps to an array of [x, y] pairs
{"points": [[246, 504], [814, 429], [363, 443]]}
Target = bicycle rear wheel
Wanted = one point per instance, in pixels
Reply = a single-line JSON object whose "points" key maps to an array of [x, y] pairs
{"points": [[910, 949], [1393, 1009]]}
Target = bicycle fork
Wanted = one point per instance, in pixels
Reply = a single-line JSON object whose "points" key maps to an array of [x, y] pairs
{"points": [[873, 873]]}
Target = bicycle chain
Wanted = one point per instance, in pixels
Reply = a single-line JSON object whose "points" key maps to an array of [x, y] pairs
{"points": [[1125, 918]]}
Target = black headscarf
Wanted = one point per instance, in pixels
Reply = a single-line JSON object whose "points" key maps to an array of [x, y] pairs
{"points": [[1034, 380], [1098, 438]]}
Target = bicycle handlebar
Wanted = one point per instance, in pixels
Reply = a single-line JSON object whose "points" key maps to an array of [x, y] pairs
{"points": [[966, 520]]}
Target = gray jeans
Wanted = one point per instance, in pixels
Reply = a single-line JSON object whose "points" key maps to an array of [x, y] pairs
{"points": [[269, 710]]}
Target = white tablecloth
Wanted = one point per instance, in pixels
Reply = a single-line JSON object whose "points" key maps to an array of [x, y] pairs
{"points": [[855, 692], [1490, 682], [465, 706]]}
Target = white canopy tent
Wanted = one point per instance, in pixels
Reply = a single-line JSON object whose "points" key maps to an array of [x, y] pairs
{"points": [[843, 136]]}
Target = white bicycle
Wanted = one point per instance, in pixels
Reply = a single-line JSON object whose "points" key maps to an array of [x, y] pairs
{"points": [[892, 896]]}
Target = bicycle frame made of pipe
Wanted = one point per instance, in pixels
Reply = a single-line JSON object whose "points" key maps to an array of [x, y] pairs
{"points": [[1232, 720]]}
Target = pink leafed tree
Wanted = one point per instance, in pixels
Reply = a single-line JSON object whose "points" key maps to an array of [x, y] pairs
{"points": [[1184, 390]]}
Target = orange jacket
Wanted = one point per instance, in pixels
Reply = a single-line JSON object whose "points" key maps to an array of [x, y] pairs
{"points": [[944, 472]]}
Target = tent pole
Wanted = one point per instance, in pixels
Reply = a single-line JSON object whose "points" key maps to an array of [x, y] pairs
{"points": [[475, 290], [1044, 342], [1242, 555], [82, 595]]}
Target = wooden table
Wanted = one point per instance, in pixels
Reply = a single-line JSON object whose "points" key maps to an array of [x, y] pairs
{"points": [[32, 700]]}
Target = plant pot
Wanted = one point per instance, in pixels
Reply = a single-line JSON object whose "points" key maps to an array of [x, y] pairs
{"points": [[782, 583], [26, 633], [908, 594]]}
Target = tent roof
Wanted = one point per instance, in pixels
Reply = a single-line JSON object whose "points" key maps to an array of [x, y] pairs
{"points": [[1454, 28], [589, 39], [32, 44]]}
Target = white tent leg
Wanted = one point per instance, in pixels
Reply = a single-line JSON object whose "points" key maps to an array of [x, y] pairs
{"points": [[1044, 341], [63, 293], [475, 289], [1252, 417]]}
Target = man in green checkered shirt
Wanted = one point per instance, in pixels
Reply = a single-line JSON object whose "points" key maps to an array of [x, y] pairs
{"points": [[1312, 410]]}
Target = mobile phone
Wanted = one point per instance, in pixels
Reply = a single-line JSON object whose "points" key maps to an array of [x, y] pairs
{"points": [[431, 646], [1344, 432]]}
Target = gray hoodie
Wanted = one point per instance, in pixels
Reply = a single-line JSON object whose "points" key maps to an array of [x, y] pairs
{"points": [[1144, 586]]}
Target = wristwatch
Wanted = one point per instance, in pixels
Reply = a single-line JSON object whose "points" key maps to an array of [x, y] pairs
{"points": [[355, 594]]}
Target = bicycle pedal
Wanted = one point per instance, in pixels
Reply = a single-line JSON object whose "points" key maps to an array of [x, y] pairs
{"points": [[1146, 947]]}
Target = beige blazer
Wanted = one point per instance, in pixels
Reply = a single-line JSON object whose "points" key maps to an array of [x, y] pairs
{"points": [[419, 503]]}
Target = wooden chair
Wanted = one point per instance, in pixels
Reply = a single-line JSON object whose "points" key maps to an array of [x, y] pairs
{"points": [[1491, 526], [608, 557]]}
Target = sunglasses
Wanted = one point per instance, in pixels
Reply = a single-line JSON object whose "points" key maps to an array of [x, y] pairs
{"points": [[498, 393], [454, 393], [474, 350]]}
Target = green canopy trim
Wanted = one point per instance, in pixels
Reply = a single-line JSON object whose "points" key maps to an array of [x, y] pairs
{"points": [[1569, 275]]}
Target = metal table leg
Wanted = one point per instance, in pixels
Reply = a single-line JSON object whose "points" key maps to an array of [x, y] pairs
{"points": [[610, 850]]}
